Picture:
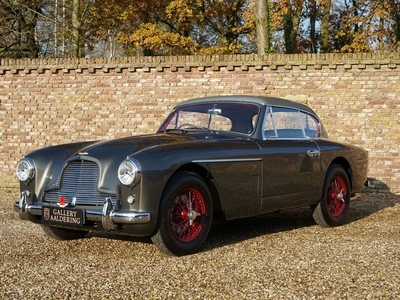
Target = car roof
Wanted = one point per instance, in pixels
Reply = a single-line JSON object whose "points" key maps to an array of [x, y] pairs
{"points": [[260, 100]]}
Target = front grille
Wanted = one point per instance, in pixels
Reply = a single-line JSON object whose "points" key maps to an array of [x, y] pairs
{"points": [[80, 180]]}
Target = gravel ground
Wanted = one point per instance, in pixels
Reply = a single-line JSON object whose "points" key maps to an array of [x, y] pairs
{"points": [[280, 256]]}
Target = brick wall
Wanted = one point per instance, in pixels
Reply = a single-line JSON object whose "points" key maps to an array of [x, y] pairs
{"points": [[53, 101]]}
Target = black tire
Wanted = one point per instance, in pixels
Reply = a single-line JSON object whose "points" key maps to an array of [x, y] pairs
{"points": [[185, 216], [63, 234], [334, 204]]}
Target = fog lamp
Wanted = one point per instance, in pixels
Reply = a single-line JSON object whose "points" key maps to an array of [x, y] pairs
{"points": [[131, 199]]}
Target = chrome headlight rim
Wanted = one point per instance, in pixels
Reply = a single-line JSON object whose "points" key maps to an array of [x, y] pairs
{"points": [[25, 170], [129, 172]]}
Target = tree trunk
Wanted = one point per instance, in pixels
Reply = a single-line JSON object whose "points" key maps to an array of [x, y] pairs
{"points": [[325, 26], [262, 26], [291, 24], [55, 28], [76, 29], [287, 33], [313, 17], [396, 18]]}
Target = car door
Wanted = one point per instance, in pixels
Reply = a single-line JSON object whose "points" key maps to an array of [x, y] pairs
{"points": [[292, 174]]}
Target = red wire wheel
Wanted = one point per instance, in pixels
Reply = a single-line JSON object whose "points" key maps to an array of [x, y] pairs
{"points": [[334, 204], [336, 195], [187, 215]]}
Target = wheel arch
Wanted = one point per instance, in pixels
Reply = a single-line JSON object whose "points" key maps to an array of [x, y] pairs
{"points": [[205, 175], [344, 163], [164, 234], [208, 179]]}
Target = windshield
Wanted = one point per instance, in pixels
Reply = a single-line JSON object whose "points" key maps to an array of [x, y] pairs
{"points": [[234, 117]]}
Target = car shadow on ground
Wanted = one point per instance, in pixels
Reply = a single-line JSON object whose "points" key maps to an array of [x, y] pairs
{"points": [[225, 233], [229, 232], [127, 238]]}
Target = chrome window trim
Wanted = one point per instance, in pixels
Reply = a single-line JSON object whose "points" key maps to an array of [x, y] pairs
{"points": [[269, 109]]}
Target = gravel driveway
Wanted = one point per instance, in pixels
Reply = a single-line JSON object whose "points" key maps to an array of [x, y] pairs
{"points": [[280, 256]]}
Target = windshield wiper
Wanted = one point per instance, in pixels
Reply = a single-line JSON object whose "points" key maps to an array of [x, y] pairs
{"points": [[187, 129], [202, 128], [173, 130]]}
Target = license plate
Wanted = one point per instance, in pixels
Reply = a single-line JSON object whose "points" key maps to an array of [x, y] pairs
{"points": [[62, 215]]}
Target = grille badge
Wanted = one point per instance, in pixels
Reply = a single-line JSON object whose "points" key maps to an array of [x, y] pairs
{"points": [[62, 202]]}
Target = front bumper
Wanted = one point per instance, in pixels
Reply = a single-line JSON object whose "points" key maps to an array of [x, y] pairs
{"points": [[108, 216]]}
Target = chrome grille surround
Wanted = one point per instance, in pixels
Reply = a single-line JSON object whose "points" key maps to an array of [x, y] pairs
{"points": [[80, 179]]}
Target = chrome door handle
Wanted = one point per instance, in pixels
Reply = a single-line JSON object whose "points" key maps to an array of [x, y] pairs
{"points": [[313, 153]]}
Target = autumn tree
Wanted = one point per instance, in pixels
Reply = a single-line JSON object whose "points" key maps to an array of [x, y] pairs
{"points": [[114, 21], [225, 26], [110, 20], [77, 28], [287, 17], [18, 22], [364, 26], [195, 27], [395, 13]]}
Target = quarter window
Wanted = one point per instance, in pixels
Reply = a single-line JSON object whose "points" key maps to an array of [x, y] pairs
{"points": [[288, 123]]}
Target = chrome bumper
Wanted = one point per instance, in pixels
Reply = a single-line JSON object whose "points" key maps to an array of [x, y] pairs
{"points": [[108, 216]]}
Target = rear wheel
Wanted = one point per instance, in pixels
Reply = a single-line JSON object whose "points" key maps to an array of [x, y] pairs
{"points": [[64, 234], [186, 215], [335, 201]]}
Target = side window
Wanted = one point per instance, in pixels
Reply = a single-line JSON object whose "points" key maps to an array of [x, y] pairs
{"points": [[290, 123], [310, 125]]}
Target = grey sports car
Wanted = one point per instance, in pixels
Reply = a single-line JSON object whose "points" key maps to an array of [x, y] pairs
{"points": [[226, 156]]}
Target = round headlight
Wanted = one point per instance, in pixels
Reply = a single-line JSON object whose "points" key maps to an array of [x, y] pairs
{"points": [[129, 172], [25, 169]]}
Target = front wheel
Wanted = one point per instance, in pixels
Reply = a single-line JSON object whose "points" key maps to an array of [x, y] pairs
{"points": [[334, 204], [62, 234], [186, 215]]}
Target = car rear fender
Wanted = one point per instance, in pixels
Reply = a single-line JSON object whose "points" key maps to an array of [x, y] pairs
{"points": [[346, 166]]}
